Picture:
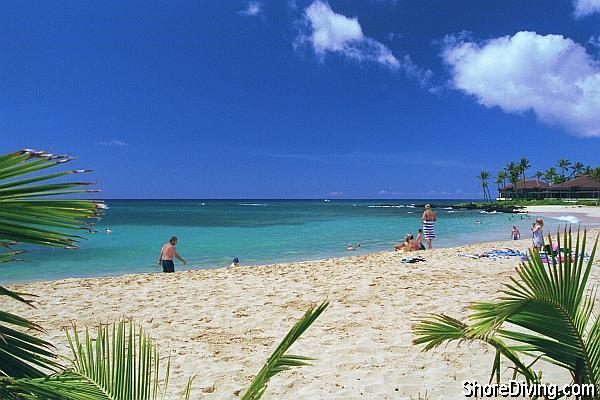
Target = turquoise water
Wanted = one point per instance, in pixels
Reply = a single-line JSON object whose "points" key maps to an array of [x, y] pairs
{"points": [[212, 232]]}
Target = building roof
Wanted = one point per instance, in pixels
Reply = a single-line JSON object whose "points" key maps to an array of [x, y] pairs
{"points": [[582, 182], [530, 184]]}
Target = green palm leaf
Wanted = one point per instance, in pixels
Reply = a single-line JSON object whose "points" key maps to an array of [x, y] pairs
{"points": [[120, 363], [27, 215], [550, 301], [439, 329], [280, 361]]}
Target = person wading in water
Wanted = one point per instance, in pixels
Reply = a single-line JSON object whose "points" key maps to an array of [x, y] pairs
{"points": [[166, 255]]}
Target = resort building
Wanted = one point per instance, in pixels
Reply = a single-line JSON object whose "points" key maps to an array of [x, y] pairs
{"points": [[580, 187]]}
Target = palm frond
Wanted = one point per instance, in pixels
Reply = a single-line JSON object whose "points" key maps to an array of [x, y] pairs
{"points": [[21, 354], [27, 215], [552, 304], [280, 361], [439, 329]]}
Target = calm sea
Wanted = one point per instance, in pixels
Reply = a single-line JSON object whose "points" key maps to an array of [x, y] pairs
{"points": [[212, 232]]}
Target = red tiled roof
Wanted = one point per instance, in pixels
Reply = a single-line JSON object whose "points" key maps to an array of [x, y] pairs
{"points": [[531, 184], [582, 182]]}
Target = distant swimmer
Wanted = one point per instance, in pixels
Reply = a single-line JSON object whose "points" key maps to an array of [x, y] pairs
{"points": [[477, 222], [165, 259], [108, 231], [349, 247], [235, 263]]}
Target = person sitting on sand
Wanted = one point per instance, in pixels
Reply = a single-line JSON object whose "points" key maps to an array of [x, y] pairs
{"points": [[165, 259], [420, 240], [428, 220], [516, 235], [235, 263], [408, 245], [538, 233]]}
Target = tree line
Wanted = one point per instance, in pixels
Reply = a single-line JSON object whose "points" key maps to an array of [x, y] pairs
{"points": [[515, 172]]}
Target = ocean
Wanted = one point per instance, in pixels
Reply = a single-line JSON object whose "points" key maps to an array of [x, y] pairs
{"points": [[212, 232]]}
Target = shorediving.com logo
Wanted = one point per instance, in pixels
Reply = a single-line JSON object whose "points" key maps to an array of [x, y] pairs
{"points": [[522, 389]]}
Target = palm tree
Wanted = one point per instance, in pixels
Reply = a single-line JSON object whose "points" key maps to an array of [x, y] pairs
{"points": [[549, 304], [551, 176], [563, 164], [513, 175], [502, 177], [121, 362], [523, 166], [483, 176], [577, 169], [538, 175], [595, 175], [587, 170]]}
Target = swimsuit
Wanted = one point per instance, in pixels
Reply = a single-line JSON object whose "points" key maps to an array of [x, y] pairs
{"points": [[168, 266], [428, 229]]}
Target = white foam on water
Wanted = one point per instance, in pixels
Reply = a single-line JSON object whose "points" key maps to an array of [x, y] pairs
{"points": [[568, 218]]}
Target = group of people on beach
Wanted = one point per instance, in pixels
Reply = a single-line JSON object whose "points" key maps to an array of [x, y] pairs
{"points": [[427, 233]]}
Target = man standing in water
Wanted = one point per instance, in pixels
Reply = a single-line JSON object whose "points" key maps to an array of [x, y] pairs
{"points": [[166, 256]]}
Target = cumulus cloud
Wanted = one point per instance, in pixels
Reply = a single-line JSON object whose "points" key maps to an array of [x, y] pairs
{"points": [[253, 9], [329, 32], [583, 8], [335, 33], [548, 74]]}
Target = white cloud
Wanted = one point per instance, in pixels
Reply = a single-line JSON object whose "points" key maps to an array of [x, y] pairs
{"points": [[329, 32], [114, 142], [548, 74], [253, 9], [336, 33], [583, 8], [334, 193]]}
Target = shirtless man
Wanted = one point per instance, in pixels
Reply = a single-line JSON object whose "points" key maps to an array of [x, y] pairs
{"points": [[166, 256]]}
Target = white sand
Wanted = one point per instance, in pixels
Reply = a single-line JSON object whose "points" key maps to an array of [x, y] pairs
{"points": [[583, 214], [223, 324]]}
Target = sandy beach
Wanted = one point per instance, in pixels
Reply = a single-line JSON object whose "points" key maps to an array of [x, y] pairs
{"points": [[583, 214], [223, 324]]}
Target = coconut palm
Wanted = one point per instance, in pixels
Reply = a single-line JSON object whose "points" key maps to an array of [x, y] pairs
{"points": [[577, 169], [121, 362], [502, 178], [484, 176], [595, 175], [551, 176], [523, 166], [564, 165], [587, 170], [539, 175], [513, 175], [549, 304]]}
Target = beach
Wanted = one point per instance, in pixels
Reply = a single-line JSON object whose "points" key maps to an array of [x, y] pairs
{"points": [[222, 324], [570, 213]]}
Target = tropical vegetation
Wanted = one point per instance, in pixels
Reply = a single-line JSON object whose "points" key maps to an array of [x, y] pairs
{"points": [[516, 172], [545, 312], [120, 361]]}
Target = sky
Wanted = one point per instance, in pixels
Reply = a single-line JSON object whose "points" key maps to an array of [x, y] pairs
{"points": [[301, 99]]}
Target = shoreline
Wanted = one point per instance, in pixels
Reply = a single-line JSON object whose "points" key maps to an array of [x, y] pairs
{"points": [[224, 323], [583, 214]]}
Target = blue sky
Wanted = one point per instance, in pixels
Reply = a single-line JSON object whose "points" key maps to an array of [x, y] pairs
{"points": [[301, 99]]}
